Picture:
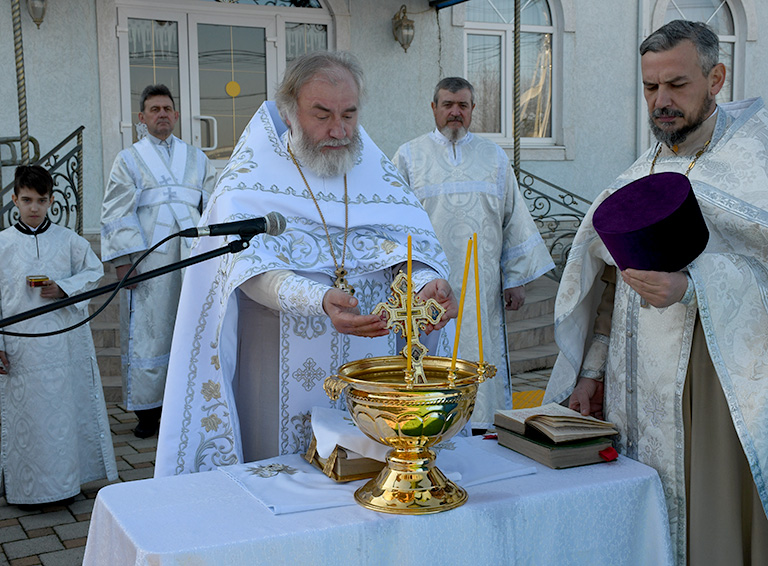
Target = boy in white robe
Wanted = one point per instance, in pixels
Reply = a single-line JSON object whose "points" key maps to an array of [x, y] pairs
{"points": [[55, 433]]}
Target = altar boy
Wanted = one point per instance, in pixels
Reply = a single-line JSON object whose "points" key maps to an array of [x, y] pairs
{"points": [[55, 435]]}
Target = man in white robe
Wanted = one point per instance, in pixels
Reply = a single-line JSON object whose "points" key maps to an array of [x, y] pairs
{"points": [[258, 332], [683, 355], [467, 186], [55, 432], [157, 187]]}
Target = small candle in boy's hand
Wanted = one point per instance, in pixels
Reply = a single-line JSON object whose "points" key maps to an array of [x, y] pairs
{"points": [[36, 280]]}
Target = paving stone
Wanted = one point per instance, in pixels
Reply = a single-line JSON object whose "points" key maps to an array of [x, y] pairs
{"points": [[69, 557], [124, 450], [36, 533], [75, 542], [137, 474], [139, 458], [144, 444], [123, 465], [27, 561], [11, 512], [30, 547], [123, 428], [80, 507], [72, 530], [8, 522], [43, 520], [8, 534]]}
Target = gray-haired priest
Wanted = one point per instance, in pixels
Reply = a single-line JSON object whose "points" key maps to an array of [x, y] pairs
{"points": [[257, 333], [684, 352]]}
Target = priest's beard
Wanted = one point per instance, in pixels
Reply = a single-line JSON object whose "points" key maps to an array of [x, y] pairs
{"points": [[678, 136], [453, 134], [326, 163]]}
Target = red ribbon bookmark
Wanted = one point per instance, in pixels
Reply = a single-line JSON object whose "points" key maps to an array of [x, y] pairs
{"points": [[609, 454]]}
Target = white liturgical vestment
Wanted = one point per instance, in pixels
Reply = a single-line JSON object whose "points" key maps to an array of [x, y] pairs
{"points": [[468, 187], [650, 349], [201, 424], [55, 433], [151, 195]]}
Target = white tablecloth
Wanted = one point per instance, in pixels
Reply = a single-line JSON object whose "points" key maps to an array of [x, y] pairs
{"points": [[610, 513]]}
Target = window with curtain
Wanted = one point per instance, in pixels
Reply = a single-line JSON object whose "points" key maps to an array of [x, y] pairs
{"points": [[718, 15], [489, 30]]}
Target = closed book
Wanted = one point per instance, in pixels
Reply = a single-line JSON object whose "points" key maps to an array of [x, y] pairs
{"points": [[557, 456]]}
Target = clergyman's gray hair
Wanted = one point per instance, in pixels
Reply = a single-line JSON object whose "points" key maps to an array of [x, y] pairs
{"points": [[700, 34], [454, 85], [331, 65]]}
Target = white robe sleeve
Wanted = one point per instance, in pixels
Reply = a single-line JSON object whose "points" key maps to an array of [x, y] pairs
{"points": [[524, 255], [283, 290], [121, 231]]}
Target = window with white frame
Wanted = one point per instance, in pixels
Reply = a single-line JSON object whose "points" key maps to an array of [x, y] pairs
{"points": [[719, 16], [489, 36]]}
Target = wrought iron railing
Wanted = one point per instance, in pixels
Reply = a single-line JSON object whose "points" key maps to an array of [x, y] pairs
{"points": [[65, 163], [557, 213]]}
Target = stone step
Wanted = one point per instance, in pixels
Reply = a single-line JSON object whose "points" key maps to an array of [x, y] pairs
{"points": [[534, 358], [531, 332], [539, 299], [106, 334], [109, 361]]}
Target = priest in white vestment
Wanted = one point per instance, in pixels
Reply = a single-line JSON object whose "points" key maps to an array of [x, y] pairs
{"points": [[258, 332], [467, 186], [55, 432], [157, 187], [684, 355]]}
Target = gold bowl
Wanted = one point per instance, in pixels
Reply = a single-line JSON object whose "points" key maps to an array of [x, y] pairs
{"points": [[409, 419]]}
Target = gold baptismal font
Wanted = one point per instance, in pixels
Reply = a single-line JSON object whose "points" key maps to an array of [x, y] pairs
{"points": [[410, 403]]}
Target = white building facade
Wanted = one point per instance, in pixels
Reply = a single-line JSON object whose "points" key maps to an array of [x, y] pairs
{"points": [[582, 115]]}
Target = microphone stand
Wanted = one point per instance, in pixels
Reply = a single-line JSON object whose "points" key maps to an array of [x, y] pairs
{"points": [[233, 247]]}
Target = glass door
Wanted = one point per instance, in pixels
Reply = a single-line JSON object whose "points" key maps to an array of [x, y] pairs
{"points": [[231, 66], [219, 71]]}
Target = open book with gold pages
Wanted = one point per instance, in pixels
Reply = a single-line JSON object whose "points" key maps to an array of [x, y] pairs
{"points": [[555, 436]]}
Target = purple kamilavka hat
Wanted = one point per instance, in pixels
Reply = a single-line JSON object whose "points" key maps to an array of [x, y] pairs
{"points": [[653, 223]]}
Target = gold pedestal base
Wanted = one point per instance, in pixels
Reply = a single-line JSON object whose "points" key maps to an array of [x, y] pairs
{"points": [[411, 485]]}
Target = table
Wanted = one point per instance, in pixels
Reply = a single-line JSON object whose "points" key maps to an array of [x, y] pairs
{"points": [[612, 513]]}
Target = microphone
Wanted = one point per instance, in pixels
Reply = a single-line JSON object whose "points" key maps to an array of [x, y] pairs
{"points": [[272, 224]]}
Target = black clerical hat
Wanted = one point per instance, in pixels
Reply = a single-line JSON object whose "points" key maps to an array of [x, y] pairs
{"points": [[653, 223]]}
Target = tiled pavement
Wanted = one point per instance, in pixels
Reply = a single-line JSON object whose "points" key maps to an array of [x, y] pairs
{"points": [[56, 535]]}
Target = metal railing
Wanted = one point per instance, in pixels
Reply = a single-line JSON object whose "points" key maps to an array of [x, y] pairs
{"points": [[557, 214], [65, 163]]}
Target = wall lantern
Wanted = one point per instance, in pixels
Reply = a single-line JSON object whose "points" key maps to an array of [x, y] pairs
{"points": [[403, 28], [36, 10]]}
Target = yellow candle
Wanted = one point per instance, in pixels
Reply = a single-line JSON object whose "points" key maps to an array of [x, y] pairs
{"points": [[409, 311], [477, 300], [461, 305]]}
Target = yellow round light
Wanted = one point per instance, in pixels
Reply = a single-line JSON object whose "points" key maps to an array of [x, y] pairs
{"points": [[232, 88]]}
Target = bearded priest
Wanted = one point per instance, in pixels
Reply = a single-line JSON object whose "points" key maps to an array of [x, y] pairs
{"points": [[258, 332]]}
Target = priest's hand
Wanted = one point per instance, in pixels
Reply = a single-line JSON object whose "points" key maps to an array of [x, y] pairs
{"points": [[121, 270], [659, 288], [342, 309], [50, 290], [587, 397], [4, 361], [440, 290], [514, 298]]}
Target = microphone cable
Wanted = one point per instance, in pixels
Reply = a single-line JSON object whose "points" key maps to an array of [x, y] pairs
{"points": [[120, 285]]}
